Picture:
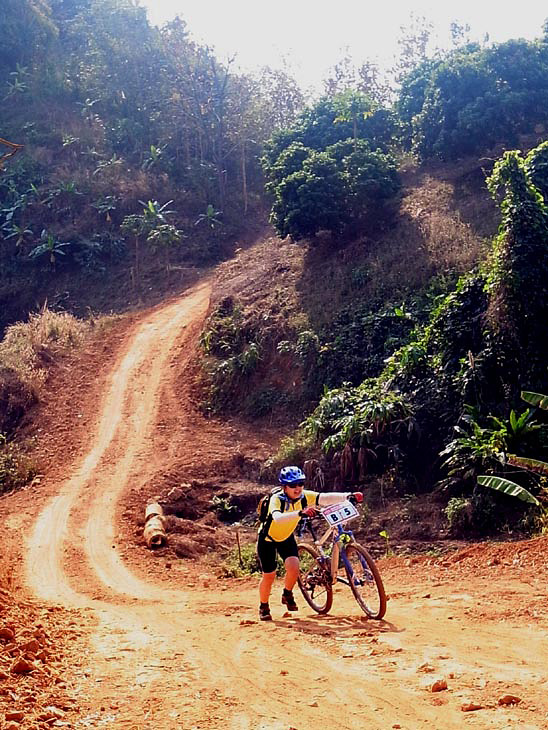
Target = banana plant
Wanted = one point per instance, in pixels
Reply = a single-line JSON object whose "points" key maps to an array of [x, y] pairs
{"points": [[210, 217], [19, 83], [155, 156], [135, 225], [155, 214], [105, 205], [535, 399], [506, 486], [50, 247], [165, 236], [20, 233]]}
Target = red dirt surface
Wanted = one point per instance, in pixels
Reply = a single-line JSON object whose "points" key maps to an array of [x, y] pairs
{"points": [[130, 638]]}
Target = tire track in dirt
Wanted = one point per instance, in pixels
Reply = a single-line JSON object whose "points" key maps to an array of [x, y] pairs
{"points": [[127, 414]]}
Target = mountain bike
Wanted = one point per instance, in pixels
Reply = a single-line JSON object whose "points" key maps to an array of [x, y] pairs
{"points": [[320, 568]]}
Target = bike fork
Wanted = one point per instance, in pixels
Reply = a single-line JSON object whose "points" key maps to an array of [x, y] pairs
{"points": [[366, 571]]}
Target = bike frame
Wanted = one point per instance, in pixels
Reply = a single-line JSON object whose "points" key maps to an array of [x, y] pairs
{"points": [[340, 537]]}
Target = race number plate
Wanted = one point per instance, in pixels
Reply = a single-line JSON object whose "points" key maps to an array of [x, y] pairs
{"points": [[339, 513]]}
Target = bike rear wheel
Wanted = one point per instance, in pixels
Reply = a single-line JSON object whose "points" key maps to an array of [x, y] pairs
{"points": [[314, 580], [365, 581]]}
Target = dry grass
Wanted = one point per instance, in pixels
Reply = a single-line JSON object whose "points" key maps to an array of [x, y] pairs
{"points": [[263, 280], [443, 228], [29, 347]]}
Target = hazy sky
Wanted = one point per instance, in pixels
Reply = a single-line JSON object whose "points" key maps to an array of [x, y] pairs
{"points": [[311, 34]]}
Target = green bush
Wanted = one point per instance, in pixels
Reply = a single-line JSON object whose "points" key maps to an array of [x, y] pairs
{"points": [[266, 401], [473, 98], [332, 169], [249, 565], [225, 510], [296, 449], [458, 512], [357, 345], [232, 355], [309, 200]]}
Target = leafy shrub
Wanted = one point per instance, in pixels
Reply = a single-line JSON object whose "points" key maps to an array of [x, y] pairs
{"points": [[333, 189], [536, 165], [232, 354], [358, 343], [478, 448], [310, 199], [232, 568], [517, 277], [225, 510], [266, 401], [458, 512], [536, 470], [373, 421], [96, 252], [331, 120], [296, 449], [224, 333], [370, 179]]}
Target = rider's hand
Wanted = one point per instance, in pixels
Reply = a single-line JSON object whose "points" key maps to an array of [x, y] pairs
{"points": [[308, 512], [355, 497]]}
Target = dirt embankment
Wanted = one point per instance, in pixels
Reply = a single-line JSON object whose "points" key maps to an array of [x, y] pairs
{"points": [[146, 642]]}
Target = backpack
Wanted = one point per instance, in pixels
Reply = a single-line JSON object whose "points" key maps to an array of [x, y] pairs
{"points": [[264, 504]]}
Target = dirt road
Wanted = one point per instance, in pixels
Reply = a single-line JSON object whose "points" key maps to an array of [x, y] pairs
{"points": [[174, 653]]}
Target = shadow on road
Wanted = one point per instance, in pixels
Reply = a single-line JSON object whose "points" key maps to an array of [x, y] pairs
{"points": [[337, 625]]}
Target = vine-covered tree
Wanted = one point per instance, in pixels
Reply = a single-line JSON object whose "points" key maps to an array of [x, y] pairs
{"points": [[518, 282]]}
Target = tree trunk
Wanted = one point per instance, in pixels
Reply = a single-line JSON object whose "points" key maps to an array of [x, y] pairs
{"points": [[137, 264], [244, 178]]}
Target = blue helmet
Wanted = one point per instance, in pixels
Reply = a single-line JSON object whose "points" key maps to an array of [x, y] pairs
{"points": [[291, 475]]}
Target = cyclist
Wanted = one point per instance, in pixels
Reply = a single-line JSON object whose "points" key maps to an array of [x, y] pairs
{"points": [[285, 509]]}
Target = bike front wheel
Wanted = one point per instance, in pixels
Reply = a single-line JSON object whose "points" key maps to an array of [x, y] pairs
{"points": [[314, 580], [365, 580]]}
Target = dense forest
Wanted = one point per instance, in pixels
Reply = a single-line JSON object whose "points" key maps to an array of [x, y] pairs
{"points": [[143, 158]]}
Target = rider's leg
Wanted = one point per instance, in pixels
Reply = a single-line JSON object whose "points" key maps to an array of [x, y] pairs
{"points": [[265, 586], [289, 552], [291, 575], [291, 572]]}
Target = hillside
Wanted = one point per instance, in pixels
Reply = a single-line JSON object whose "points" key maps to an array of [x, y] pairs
{"points": [[162, 344], [284, 298]]}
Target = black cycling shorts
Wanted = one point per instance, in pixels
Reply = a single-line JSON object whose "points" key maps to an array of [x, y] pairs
{"points": [[267, 549]]}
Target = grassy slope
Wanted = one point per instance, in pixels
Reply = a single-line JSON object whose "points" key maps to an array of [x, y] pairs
{"points": [[444, 225], [445, 221]]}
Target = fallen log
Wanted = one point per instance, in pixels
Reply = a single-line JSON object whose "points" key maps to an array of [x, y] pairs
{"points": [[154, 532]]}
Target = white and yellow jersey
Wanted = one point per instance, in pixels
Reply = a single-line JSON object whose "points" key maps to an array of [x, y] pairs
{"points": [[279, 502]]}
